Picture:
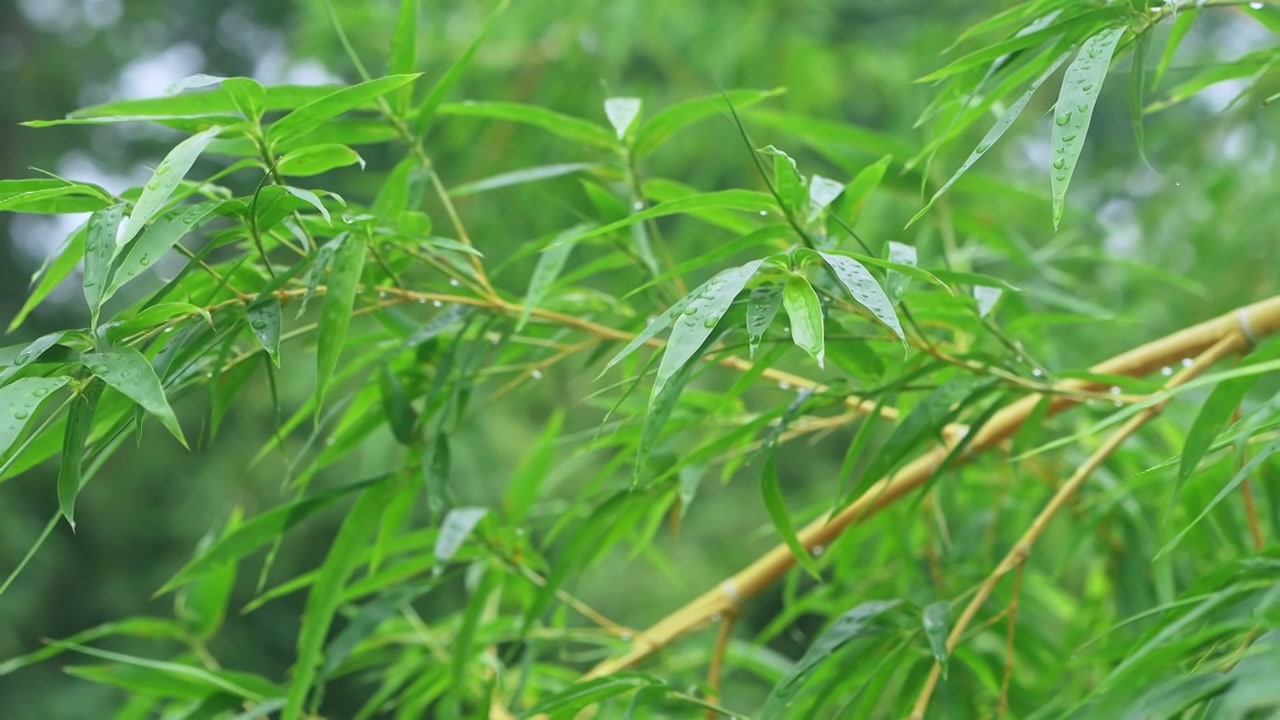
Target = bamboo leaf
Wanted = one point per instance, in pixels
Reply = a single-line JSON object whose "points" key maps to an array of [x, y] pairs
{"points": [[79, 424], [20, 400], [622, 113], [265, 322], [315, 113], [431, 105], [156, 240], [335, 314], [129, 372], [403, 58], [1076, 102], [99, 249], [667, 122], [168, 174], [564, 126], [804, 311], [864, 289], [456, 527]]}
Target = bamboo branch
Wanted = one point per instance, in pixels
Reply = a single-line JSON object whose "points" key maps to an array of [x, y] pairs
{"points": [[1240, 326], [1021, 549]]}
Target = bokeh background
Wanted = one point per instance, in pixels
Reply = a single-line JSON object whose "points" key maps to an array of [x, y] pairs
{"points": [[1203, 217]]}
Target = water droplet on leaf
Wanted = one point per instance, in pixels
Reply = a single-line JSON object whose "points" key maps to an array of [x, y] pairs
{"points": [[1059, 163], [437, 303], [1063, 119], [21, 415], [536, 374]]}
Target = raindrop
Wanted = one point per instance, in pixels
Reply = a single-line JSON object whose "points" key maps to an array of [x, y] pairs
{"points": [[145, 260], [784, 385], [1115, 390], [1166, 371], [1087, 87], [169, 329], [21, 415], [208, 376], [786, 329], [710, 322], [1063, 119], [330, 440], [982, 148], [624, 637], [22, 358], [754, 339], [1036, 372], [637, 205], [41, 392], [437, 303], [382, 294], [454, 282], [1256, 5], [422, 301], [1068, 138], [1059, 163], [90, 283], [763, 213], [1187, 362], [259, 324], [1083, 107], [715, 617], [519, 532], [817, 551], [1117, 403], [536, 374]]}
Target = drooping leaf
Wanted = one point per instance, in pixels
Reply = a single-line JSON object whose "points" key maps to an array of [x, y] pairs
{"points": [[787, 181], [935, 621], [622, 113], [310, 116], [1249, 468], [804, 311], [822, 192], [335, 314], [1138, 91], [987, 297], [99, 249], [762, 308], [1182, 24], [527, 480], [129, 372], [771, 493], [79, 423], [399, 412], [864, 289], [698, 318], [455, 529], [1213, 418], [1076, 101], [19, 401], [316, 159], [311, 199], [264, 323], [168, 174]]}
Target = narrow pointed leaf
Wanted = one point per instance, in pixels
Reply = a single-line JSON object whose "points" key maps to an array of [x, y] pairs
{"points": [[762, 308], [315, 113], [99, 249], [667, 122], [129, 372], [1230, 487], [822, 192], [936, 622], [896, 283], [311, 199], [316, 159], [1213, 418], [550, 263], [426, 112], [335, 314], [787, 180], [775, 505], [1137, 91], [60, 266], [745, 200], [404, 51], [399, 412], [455, 529], [558, 124], [1182, 24], [156, 240], [987, 297], [169, 173], [699, 317], [622, 113], [265, 322], [248, 96], [1074, 110], [19, 401], [79, 423], [804, 311], [519, 177], [865, 290]]}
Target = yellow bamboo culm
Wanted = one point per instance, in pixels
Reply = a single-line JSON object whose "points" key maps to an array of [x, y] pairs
{"points": [[1240, 328]]}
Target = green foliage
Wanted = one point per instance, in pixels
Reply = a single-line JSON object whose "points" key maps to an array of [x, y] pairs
{"points": [[451, 586]]}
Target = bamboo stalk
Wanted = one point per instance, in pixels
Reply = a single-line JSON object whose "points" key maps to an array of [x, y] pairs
{"points": [[1247, 324]]}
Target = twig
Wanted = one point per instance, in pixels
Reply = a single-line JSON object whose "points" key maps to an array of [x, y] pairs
{"points": [[1250, 506], [1003, 710], [717, 660], [1022, 548]]}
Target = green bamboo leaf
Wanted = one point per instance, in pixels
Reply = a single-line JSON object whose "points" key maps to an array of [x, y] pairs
{"points": [[99, 249], [1174, 697], [526, 482], [315, 113], [156, 240], [787, 180], [169, 173], [1078, 25], [925, 420], [20, 400], [698, 318], [24, 356], [435, 466], [51, 196], [762, 308], [403, 57], [936, 622], [153, 317], [1182, 24], [430, 106], [832, 137], [745, 200], [79, 423], [622, 113], [191, 82], [1244, 473], [1213, 418], [579, 695], [775, 505], [997, 131], [60, 265], [822, 192], [864, 289], [319, 269], [137, 627], [848, 206], [658, 129], [1076, 101], [325, 597], [456, 527], [858, 623], [316, 159], [400, 414], [519, 177], [311, 199], [264, 323], [184, 680], [661, 405], [558, 124], [393, 197], [896, 283], [201, 605], [129, 372], [550, 263], [248, 96], [259, 531], [335, 314], [804, 311], [1137, 91]]}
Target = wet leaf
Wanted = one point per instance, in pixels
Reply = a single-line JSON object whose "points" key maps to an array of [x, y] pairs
{"points": [[60, 265], [315, 113], [1076, 101], [311, 199], [896, 283], [762, 308], [129, 372], [698, 317], [99, 249], [79, 423], [264, 323], [804, 311], [550, 263], [156, 240], [1213, 418], [316, 159], [399, 411], [865, 290], [403, 58], [19, 401], [787, 180], [169, 173], [456, 527], [936, 622], [822, 192]]}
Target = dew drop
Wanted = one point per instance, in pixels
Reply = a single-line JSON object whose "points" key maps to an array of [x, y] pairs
{"points": [[715, 617], [1087, 87], [169, 329], [259, 324], [784, 385], [624, 637], [22, 358], [1256, 5], [382, 294], [454, 282], [691, 310], [817, 551], [710, 322], [1063, 119], [437, 303], [41, 392], [536, 374], [1083, 107], [1068, 138], [982, 148], [90, 283], [1059, 163], [637, 205], [1036, 372], [422, 301], [21, 415], [208, 376], [330, 440], [1115, 390], [1118, 403], [145, 260], [1166, 371], [1187, 362]]}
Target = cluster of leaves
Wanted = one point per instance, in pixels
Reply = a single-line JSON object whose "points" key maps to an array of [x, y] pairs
{"points": [[412, 324]]}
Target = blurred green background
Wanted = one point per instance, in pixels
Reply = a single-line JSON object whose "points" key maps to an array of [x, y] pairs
{"points": [[1205, 218]]}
